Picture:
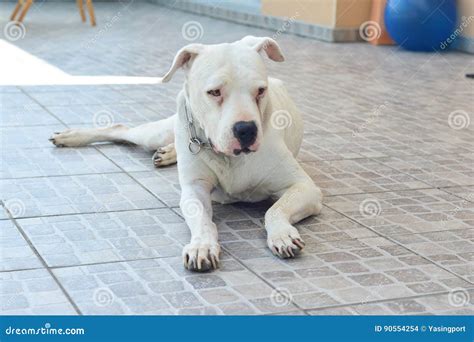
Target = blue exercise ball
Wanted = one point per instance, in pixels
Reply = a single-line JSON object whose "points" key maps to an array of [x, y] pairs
{"points": [[421, 25]]}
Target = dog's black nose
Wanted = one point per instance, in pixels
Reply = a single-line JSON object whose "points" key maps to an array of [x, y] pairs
{"points": [[245, 132]]}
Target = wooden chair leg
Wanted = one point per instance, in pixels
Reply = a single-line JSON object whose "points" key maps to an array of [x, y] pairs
{"points": [[80, 6], [90, 7], [25, 10], [18, 6]]}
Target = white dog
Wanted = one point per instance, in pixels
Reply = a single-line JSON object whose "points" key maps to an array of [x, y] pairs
{"points": [[235, 137]]}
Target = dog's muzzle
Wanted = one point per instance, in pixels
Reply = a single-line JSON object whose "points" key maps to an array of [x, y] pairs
{"points": [[246, 133]]}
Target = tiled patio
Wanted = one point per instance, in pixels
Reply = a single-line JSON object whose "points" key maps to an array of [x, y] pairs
{"points": [[97, 230]]}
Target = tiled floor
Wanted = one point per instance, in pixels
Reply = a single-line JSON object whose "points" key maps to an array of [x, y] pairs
{"points": [[97, 230]]}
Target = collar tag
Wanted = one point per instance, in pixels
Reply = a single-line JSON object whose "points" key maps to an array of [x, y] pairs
{"points": [[194, 145]]}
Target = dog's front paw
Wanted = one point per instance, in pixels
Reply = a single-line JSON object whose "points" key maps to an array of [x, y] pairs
{"points": [[164, 156], [201, 256], [284, 241]]}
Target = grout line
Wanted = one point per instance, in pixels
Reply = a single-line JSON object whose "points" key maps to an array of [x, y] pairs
{"points": [[388, 300], [87, 213], [22, 269], [399, 244], [40, 258], [111, 262], [44, 107], [133, 178], [440, 188], [456, 195], [68, 175], [259, 276]]}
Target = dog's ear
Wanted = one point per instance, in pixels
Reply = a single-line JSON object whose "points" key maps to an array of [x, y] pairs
{"points": [[183, 59], [266, 44]]}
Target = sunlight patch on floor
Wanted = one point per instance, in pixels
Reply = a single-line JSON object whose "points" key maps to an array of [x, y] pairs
{"points": [[20, 68]]}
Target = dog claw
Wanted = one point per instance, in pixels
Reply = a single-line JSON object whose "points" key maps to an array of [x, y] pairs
{"points": [[201, 258], [285, 243], [299, 243], [214, 262]]}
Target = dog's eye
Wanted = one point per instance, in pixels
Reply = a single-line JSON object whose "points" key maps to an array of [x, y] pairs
{"points": [[261, 91], [214, 92]]}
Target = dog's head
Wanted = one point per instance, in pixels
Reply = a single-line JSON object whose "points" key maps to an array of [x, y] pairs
{"points": [[227, 89]]}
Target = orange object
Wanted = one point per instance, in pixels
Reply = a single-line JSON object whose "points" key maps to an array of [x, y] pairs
{"points": [[23, 6], [377, 15]]}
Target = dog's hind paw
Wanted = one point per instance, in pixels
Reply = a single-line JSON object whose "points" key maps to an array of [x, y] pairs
{"points": [[68, 138], [285, 242], [201, 257]]}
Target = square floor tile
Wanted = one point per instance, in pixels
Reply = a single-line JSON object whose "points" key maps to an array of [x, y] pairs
{"points": [[32, 292], [3, 214], [82, 97], [352, 271], [162, 287], [15, 253], [51, 161], [106, 114], [15, 99], [163, 183], [358, 176], [436, 170], [75, 194], [131, 158], [26, 115], [405, 212], [28, 137], [465, 192], [85, 239], [453, 303], [453, 250]]}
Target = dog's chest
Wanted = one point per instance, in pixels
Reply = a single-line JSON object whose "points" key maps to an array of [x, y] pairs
{"points": [[240, 179]]}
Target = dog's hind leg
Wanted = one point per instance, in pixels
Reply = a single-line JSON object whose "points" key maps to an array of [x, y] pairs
{"points": [[151, 135]]}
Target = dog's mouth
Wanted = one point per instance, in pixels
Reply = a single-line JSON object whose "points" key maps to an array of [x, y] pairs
{"points": [[245, 150]]}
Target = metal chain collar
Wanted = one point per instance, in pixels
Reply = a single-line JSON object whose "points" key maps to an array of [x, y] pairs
{"points": [[195, 144]]}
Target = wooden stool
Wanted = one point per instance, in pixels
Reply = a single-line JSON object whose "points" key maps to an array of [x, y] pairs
{"points": [[23, 6]]}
